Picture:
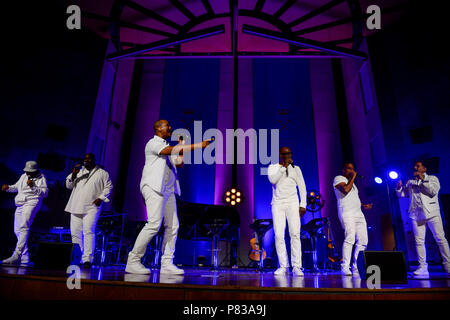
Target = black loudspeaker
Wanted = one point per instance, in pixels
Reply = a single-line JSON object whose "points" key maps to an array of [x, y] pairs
{"points": [[193, 252], [392, 264], [57, 255]]}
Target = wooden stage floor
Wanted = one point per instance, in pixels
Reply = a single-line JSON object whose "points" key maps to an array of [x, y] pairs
{"points": [[112, 283]]}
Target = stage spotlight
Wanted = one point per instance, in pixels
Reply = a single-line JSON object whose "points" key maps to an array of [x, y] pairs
{"points": [[378, 180], [314, 201], [233, 196], [393, 174]]}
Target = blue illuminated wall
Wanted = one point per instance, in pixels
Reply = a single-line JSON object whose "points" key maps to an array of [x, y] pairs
{"points": [[282, 100], [190, 93]]}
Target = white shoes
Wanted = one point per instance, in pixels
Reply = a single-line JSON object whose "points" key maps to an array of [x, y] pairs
{"points": [[297, 272], [25, 259], [14, 259], [355, 271], [345, 271], [421, 272], [135, 266], [280, 271], [172, 269]]}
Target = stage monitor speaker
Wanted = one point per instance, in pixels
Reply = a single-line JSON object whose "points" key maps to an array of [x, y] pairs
{"points": [[193, 252], [392, 264], [57, 255]]}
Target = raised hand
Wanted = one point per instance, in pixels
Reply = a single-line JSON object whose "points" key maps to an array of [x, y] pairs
{"points": [[75, 171], [5, 187], [207, 142]]}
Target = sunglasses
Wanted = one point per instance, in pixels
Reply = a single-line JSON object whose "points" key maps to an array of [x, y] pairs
{"points": [[285, 153]]}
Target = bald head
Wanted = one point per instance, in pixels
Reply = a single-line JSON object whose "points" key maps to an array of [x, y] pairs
{"points": [[285, 154], [285, 150], [158, 124], [162, 128]]}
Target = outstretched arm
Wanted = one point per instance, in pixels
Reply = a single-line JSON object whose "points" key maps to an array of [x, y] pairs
{"points": [[181, 149], [12, 187], [401, 189]]}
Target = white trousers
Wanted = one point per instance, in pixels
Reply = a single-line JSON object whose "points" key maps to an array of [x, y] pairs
{"points": [[160, 207], [23, 218], [82, 228], [355, 228], [435, 225], [281, 213]]}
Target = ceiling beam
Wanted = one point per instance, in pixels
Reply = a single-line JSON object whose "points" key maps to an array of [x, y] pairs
{"points": [[259, 5], [177, 4], [329, 25], [284, 8], [303, 42], [151, 14], [208, 8], [242, 55], [128, 25], [161, 44], [316, 12]]}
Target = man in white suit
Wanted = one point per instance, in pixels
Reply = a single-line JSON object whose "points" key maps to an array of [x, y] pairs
{"points": [[351, 217], [424, 210], [31, 189], [285, 178], [91, 187], [159, 184]]}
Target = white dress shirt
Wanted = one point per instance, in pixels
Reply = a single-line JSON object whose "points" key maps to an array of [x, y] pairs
{"points": [[349, 202], [423, 195], [26, 194], [285, 182], [87, 187], [159, 171]]}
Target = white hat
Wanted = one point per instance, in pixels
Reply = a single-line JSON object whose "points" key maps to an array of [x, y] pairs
{"points": [[31, 166]]}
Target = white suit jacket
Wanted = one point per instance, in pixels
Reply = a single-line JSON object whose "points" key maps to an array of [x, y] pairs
{"points": [[25, 194], [429, 190]]}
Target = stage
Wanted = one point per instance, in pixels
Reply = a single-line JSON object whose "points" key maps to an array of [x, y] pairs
{"points": [[112, 283]]}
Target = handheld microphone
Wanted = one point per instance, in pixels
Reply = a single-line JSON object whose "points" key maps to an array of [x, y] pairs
{"points": [[359, 176]]}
